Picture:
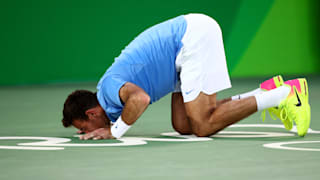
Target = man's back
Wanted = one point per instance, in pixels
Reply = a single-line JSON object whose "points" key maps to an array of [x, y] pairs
{"points": [[148, 61]]}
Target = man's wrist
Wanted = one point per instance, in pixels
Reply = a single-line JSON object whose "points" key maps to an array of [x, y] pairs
{"points": [[119, 128]]}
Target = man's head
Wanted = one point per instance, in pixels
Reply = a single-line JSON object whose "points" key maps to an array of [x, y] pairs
{"points": [[82, 110]]}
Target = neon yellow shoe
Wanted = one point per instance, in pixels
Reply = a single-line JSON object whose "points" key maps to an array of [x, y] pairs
{"points": [[296, 106], [275, 112]]}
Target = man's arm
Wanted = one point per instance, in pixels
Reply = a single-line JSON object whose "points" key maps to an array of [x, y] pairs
{"points": [[135, 100]]}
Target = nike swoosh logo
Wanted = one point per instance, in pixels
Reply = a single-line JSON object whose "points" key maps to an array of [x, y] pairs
{"points": [[299, 102], [188, 92]]}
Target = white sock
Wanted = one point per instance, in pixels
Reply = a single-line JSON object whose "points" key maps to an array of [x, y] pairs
{"points": [[271, 98], [247, 94]]}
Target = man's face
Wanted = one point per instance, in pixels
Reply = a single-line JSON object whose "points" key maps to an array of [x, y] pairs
{"points": [[95, 121], [87, 126]]}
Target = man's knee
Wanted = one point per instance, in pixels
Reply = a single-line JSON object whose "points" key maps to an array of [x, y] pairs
{"points": [[183, 131], [203, 127], [182, 128], [202, 131]]}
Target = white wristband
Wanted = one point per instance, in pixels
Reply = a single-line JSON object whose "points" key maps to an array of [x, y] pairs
{"points": [[119, 128]]}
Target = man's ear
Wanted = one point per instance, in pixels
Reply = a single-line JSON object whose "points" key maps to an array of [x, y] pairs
{"points": [[92, 112]]}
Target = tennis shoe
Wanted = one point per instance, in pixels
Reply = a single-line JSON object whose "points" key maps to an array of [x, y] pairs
{"points": [[296, 106], [275, 112]]}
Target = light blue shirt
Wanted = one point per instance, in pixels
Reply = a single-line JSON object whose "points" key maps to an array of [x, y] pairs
{"points": [[148, 62]]}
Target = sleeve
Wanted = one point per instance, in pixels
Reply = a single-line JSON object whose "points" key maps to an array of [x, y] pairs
{"points": [[110, 89]]}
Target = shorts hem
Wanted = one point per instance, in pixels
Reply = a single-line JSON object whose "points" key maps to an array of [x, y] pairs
{"points": [[191, 97]]}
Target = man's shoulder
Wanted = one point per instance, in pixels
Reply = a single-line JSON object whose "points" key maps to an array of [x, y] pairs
{"points": [[110, 82], [108, 95]]}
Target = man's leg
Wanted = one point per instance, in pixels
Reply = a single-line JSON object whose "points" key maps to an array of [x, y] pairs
{"points": [[179, 118], [207, 118]]}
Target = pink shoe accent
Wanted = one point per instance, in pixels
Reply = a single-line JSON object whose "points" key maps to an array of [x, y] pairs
{"points": [[272, 83], [294, 82]]}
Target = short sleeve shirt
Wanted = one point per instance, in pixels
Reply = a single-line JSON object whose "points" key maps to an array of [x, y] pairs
{"points": [[148, 62]]}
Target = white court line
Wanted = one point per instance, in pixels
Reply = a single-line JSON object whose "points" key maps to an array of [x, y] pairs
{"points": [[294, 128], [59, 143], [279, 145], [46, 139]]}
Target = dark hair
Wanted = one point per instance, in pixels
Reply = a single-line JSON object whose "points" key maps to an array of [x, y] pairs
{"points": [[76, 104]]}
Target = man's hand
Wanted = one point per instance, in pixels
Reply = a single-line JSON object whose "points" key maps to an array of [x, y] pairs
{"points": [[80, 132], [101, 133]]}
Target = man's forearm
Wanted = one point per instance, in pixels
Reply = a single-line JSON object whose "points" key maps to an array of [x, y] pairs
{"points": [[222, 101]]}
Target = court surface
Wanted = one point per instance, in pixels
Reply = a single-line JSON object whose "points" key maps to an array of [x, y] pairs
{"points": [[34, 145]]}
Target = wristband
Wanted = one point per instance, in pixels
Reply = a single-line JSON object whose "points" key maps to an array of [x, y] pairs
{"points": [[119, 128]]}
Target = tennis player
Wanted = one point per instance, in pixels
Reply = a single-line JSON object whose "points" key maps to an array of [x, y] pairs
{"points": [[184, 56]]}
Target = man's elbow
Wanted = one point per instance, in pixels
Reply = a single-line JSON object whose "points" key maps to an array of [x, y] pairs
{"points": [[145, 99], [142, 99]]}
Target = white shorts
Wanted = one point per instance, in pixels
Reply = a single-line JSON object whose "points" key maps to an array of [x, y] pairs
{"points": [[201, 61]]}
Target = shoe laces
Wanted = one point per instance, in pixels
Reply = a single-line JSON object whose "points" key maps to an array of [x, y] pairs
{"points": [[285, 110], [272, 115]]}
